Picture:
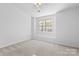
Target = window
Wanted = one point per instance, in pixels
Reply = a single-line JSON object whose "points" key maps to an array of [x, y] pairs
{"points": [[46, 25]]}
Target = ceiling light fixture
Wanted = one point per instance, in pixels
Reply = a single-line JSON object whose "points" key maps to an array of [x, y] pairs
{"points": [[38, 5]]}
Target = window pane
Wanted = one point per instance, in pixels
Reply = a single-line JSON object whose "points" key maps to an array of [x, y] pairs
{"points": [[46, 25]]}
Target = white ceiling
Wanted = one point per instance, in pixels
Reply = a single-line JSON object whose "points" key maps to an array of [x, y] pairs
{"points": [[24, 7], [52, 8], [47, 8]]}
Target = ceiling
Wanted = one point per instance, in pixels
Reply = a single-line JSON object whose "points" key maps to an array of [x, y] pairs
{"points": [[46, 8]]}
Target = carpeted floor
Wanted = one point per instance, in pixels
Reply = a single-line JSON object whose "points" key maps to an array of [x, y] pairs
{"points": [[38, 48]]}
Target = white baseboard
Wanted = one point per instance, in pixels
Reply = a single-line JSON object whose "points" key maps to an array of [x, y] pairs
{"points": [[56, 41], [15, 42]]}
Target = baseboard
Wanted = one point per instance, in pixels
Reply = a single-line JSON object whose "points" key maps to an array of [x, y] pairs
{"points": [[13, 43], [54, 41]]}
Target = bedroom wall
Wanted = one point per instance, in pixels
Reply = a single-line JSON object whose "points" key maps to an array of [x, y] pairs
{"points": [[15, 25], [68, 26], [67, 21]]}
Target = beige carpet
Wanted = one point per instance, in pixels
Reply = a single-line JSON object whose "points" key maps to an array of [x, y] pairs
{"points": [[38, 48]]}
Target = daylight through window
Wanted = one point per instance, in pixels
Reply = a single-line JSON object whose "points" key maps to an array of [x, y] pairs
{"points": [[46, 25]]}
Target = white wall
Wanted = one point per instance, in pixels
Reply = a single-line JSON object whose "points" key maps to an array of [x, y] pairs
{"points": [[68, 26], [15, 25], [67, 21]]}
